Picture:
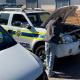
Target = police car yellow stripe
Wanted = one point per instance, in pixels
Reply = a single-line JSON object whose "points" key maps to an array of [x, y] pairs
{"points": [[60, 39], [13, 35], [27, 34], [6, 28], [59, 42], [14, 30], [60, 35], [31, 37], [33, 32]]}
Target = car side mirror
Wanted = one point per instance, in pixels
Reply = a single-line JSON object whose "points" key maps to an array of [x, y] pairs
{"points": [[26, 25]]}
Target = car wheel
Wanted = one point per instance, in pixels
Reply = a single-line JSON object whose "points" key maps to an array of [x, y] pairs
{"points": [[40, 52]]}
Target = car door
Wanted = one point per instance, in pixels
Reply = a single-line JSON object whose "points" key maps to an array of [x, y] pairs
{"points": [[4, 20], [21, 34]]}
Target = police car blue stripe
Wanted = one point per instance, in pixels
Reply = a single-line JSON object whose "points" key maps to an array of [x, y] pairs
{"points": [[32, 35], [41, 36], [14, 32], [29, 34]]}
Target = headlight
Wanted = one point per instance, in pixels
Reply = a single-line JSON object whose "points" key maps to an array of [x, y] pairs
{"points": [[66, 39]]}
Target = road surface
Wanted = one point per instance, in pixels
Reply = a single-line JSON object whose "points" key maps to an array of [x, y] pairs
{"points": [[67, 68]]}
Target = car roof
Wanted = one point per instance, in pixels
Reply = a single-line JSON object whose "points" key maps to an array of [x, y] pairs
{"points": [[35, 11], [23, 12]]}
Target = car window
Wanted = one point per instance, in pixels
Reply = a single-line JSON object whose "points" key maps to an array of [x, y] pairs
{"points": [[33, 17], [18, 19], [37, 18], [6, 40], [4, 18], [43, 17]]}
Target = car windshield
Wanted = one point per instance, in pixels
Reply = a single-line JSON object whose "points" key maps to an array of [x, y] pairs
{"points": [[37, 18], [6, 40]]}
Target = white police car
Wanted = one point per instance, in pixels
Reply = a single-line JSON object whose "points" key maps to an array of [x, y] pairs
{"points": [[23, 24], [17, 63], [28, 28]]}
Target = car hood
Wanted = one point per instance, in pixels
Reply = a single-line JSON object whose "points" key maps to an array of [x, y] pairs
{"points": [[16, 63], [63, 12]]}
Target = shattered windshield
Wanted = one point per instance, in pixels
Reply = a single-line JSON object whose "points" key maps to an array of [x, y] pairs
{"points": [[37, 18]]}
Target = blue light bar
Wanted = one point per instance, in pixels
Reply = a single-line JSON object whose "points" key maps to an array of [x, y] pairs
{"points": [[9, 4]]}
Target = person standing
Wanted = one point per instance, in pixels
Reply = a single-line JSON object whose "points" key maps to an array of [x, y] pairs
{"points": [[54, 28]]}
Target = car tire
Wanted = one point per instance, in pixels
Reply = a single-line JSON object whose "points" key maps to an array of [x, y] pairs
{"points": [[40, 52]]}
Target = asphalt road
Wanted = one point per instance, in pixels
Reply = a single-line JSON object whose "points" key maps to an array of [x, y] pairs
{"points": [[67, 68]]}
